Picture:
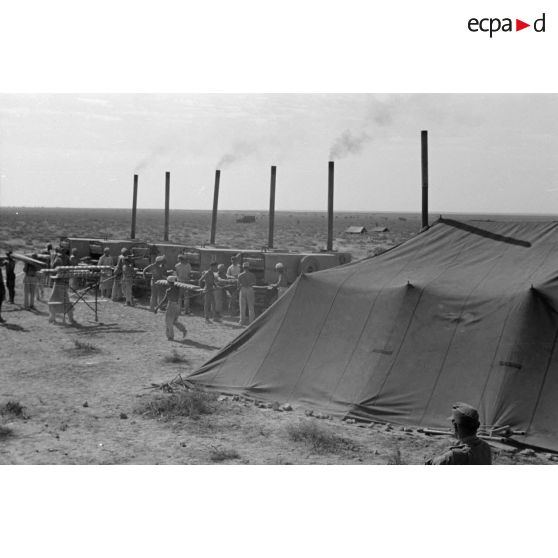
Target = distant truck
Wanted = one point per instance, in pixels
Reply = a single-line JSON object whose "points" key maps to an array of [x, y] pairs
{"points": [[246, 219]]}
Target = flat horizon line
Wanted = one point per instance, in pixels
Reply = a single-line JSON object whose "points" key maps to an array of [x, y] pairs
{"points": [[358, 212]]}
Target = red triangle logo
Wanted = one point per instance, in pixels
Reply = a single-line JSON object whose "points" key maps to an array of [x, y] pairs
{"points": [[519, 25]]}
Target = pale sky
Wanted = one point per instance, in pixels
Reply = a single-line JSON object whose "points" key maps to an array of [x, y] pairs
{"points": [[487, 153]]}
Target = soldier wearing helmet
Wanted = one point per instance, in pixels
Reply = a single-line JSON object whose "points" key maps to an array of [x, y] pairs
{"points": [[247, 297], [209, 283], [128, 273], [471, 450], [106, 277], [172, 298], [281, 282], [117, 293], [233, 271], [158, 270], [183, 270]]}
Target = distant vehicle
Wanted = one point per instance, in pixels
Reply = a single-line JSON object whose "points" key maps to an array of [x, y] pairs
{"points": [[246, 219]]}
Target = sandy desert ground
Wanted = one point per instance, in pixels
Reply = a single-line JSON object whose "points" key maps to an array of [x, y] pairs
{"points": [[100, 392]]}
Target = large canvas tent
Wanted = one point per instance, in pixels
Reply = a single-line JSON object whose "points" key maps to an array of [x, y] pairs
{"points": [[461, 312]]}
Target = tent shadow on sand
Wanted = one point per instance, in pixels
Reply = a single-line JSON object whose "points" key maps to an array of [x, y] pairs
{"points": [[197, 344]]}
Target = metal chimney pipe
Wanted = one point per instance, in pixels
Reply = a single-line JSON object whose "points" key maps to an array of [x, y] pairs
{"points": [[424, 159], [167, 198], [271, 206], [215, 205], [331, 172], [134, 207]]}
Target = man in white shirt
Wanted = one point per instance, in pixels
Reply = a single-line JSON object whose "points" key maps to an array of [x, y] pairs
{"points": [[106, 275], [117, 275], [281, 282], [247, 298], [183, 270], [158, 271], [233, 271]]}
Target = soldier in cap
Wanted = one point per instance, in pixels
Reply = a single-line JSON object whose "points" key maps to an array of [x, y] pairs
{"points": [[128, 273], [43, 279], [233, 271], [30, 281], [59, 301], [48, 252], [10, 275], [247, 296], [173, 309], [106, 277], [158, 271], [2, 294], [117, 277], [58, 260], [74, 262], [281, 282], [209, 284], [471, 450], [183, 270], [221, 294]]}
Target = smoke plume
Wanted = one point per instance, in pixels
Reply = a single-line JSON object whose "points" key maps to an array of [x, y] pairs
{"points": [[348, 143], [383, 112], [380, 116], [238, 151], [164, 149]]}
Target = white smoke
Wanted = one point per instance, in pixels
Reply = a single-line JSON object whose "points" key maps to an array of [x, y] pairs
{"points": [[348, 143], [161, 151], [381, 115], [239, 150]]}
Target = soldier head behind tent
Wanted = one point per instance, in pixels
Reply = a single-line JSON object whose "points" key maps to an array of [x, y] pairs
{"points": [[465, 420], [471, 450]]}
